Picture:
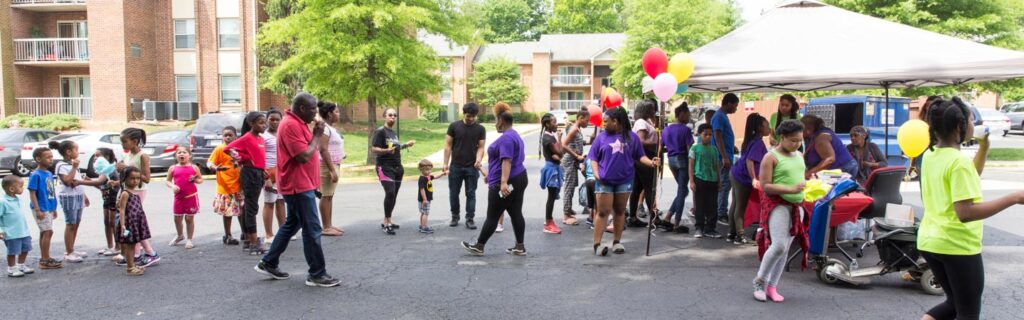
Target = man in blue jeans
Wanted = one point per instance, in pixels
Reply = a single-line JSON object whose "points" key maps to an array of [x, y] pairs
{"points": [[464, 149], [298, 178], [725, 140]]}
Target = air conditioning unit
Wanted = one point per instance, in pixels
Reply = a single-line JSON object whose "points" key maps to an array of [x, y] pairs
{"points": [[187, 111], [157, 110]]}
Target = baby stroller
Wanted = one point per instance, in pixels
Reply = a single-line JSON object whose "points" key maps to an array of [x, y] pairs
{"points": [[896, 243]]}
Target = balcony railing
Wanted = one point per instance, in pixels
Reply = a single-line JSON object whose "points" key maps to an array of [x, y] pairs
{"points": [[51, 50], [80, 107], [17, 2], [567, 80], [568, 104]]}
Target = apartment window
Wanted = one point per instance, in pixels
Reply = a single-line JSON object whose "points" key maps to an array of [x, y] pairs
{"points": [[570, 95], [136, 50], [228, 33], [185, 34], [230, 89], [570, 70], [186, 88], [446, 96]]}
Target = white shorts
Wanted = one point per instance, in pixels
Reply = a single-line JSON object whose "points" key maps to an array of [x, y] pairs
{"points": [[272, 197]]}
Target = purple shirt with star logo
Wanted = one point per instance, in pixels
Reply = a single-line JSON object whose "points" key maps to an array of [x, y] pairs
{"points": [[615, 158]]}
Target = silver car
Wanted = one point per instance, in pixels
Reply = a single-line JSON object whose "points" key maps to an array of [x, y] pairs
{"points": [[1014, 111]]}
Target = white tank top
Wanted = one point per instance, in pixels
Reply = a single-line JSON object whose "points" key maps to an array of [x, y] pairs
{"points": [[335, 145]]}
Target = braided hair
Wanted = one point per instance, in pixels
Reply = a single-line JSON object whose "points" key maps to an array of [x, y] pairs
{"points": [[136, 134], [946, 117]]}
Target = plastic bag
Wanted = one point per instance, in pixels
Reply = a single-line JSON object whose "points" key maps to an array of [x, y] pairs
{"points": [[851, 230], [814, 189]]}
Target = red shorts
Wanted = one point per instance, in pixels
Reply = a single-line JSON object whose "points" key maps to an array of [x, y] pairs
{"points": [[186, 206]]}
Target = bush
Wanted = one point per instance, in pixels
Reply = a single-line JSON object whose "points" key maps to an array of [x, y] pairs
{"points": [[523, 117], [432, 112], [56, 122]]}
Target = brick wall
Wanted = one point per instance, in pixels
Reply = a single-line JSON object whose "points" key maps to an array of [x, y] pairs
{"points": [[540, 86], [206, 47], [7, 102], [163, 55], [107, 53], [140, 31]]}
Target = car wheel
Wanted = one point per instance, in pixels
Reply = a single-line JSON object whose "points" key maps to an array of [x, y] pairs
{"points": [[21, 170]]}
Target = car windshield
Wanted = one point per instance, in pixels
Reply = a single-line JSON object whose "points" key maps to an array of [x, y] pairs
{"points": [[68, 136], [167, 136], [211, 124], [11, 136]]}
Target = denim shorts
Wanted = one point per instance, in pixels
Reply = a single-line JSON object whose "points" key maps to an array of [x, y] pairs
{"points": [[613, 188], [424, 208], [18, 246]]}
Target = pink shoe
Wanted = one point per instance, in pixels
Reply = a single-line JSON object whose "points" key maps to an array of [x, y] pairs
{"points": [[773, 294], [550, 227]]}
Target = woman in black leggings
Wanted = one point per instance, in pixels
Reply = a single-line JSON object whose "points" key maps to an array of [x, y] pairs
{"points": [[388, 149], [506, 183], [643, 181]]}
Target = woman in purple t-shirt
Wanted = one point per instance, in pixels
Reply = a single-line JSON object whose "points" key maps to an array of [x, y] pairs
{"points": [[506, 183], [612, 157], [745, 172]]}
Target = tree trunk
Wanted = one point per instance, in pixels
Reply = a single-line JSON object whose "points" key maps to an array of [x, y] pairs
{"points": [[371, 100]]}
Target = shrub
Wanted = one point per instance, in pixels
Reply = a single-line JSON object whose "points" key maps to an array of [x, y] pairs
{"points": [[432, 112], [56, 122]]}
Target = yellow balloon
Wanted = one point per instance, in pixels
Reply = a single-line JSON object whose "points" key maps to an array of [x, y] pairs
{"points": [[681, 66], [606, 92], [913, 137]]}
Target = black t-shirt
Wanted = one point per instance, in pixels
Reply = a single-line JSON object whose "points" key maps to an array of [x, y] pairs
{"points": [[465, 141], [385, 138], [426, 183], [547, 145]]}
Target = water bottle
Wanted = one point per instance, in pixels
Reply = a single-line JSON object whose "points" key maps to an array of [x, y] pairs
{"points": [[502, 196]]}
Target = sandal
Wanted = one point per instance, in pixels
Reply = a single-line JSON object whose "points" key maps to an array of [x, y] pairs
{"points": [[136, 271], [177, 240], [231, 241], [189, 245], [570, 221]]}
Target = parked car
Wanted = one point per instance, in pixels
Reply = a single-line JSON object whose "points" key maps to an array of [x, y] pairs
{"points": [[161, 146], [1014, 111], [997, 122], [206, 136], [561, 117], [87, 142], [11, 142]]}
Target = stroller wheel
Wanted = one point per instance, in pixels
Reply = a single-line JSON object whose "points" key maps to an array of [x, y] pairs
{"points": [[835, 266], [929, 284]]}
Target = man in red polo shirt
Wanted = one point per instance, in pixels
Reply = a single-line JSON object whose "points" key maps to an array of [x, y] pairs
{"points": [[298, 177]]}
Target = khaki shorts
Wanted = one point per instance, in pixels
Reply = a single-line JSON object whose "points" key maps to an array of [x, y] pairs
{"points": [[46, 223], [326, 185]]}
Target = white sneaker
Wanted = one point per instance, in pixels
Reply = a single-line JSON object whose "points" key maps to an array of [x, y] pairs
{"points": [[14, 272], [81, 254], [26, 270], [295, 238], [500, 228], [72, 258]]}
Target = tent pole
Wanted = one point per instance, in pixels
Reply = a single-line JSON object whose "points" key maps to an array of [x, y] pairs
{"points": [[887, 119]]}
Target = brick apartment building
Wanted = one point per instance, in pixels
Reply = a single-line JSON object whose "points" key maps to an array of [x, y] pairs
{"points": [[92, 58]]}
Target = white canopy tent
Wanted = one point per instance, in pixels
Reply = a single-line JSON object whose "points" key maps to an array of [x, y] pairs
{"points": [[807, 45]]}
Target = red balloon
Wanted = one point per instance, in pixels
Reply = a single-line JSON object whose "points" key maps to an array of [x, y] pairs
{"points": [[614, 100], [596, 116], [655, 62]]}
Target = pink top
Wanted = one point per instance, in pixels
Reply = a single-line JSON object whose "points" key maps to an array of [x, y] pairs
{"points": [[294, 177], [182, 177]]}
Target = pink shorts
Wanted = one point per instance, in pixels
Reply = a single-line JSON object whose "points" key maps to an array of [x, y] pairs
{"points": [[186, 206]]}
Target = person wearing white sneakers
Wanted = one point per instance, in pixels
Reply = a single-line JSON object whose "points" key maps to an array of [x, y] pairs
{"points": [[552, 174], [14, 229]]}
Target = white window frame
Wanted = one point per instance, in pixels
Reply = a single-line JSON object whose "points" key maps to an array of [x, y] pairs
{"points": [[569, 93], [562, 69], [190, 38], [178, 89], [220, 84], [221, 34]]}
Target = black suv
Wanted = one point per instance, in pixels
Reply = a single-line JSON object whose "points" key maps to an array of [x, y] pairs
{"points": [[207, 134]]}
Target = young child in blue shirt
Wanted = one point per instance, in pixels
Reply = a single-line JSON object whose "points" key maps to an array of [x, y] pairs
{"points": [[13, 229], [42, 188]]}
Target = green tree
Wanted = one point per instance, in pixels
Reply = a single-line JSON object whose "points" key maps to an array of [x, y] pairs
{"points": [[503, 21], [998, 23], [352, 51], [496, 80], [274, 55], [587, 16], [672, 25]]}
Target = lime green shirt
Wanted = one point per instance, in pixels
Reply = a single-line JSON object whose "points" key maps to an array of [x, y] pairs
{"points": [[705, 162], [789, 171], [774, 121], [949, 177]]}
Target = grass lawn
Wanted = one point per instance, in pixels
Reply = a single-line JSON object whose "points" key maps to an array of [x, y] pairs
{"points": [[429, 138], [1006, 154]]}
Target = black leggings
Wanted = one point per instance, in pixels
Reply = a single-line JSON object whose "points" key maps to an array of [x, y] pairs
{"points": [[252, 185], [963, 280], [643, 181], [497, 205], [550, 205], [391, 180]]}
